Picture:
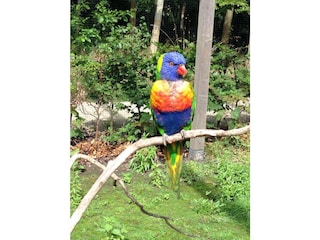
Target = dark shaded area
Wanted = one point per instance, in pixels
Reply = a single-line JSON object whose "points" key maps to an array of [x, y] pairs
{"points": [[233, 208], [170, 27]]}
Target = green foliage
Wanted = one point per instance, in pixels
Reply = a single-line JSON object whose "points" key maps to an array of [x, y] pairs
{"points": [[228, 84], [112, 137], [76, 192], [90, 25], [233, 180], [111, 229], [236, 141], [127, 177], [109, 60], [110, 64], [229, 78], [234, 118], [143, 159], [125, 66], [161, 199], [74, 151], [75, 130], [239, 5], [193, 171], [145, 124], [206, 207], [158, 177], [126, 133], [215, 205], [223, 178]]}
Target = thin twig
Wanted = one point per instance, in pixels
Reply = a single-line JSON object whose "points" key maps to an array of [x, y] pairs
{"points": [[166, 219], [133, 199], [142, 143]]}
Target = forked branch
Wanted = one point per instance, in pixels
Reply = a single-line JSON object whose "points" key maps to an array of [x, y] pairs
{"points": [[142, 143], [132, 198]]}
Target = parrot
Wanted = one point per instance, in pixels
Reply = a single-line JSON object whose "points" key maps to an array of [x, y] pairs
{"points": [[173, 103]]}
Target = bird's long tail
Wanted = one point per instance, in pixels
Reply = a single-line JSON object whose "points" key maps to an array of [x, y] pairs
{"points": [[174, 155]]}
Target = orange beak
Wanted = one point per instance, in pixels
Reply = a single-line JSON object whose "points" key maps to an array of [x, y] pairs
{"points": [[182, 70]]}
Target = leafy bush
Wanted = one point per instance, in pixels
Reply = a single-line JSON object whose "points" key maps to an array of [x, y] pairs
{"points": [[76, 192], [112, 229], [111, 137], [232, 180], [206, 206], [109, 58], [236, 141], [158, 177], [193, 171], [127, 177], [126, 133], [143, 160], [229, 83], [110, 63], [75, 131]]}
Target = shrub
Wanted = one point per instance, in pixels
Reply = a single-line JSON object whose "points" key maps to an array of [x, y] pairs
{"points": [[232, 180], [158, 177], [206, 206], [143, 159], [112, 229], [229, 83], [76, 192]]}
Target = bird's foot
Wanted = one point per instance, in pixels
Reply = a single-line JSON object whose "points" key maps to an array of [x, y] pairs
{"points": [[165, 139], [183, 133]]}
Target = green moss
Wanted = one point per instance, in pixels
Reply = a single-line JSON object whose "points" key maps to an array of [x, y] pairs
{"points": [[214, 202]]}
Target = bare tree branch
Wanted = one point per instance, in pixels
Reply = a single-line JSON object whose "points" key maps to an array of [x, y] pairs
{"points": [[132, 198], [142, 143]]}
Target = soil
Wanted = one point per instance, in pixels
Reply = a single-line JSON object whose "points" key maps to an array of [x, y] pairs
{"points": [[104, 152], [101, 151]]}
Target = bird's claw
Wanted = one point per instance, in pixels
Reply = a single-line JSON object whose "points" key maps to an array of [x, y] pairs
{"points": [[165, 139], [183, 133]]}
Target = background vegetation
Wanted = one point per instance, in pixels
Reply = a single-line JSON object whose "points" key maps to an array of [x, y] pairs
{"points": [[111, 64], [214, 204]]}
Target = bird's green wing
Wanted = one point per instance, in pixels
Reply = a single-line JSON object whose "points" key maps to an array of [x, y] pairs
{"points": [[158, 76]]}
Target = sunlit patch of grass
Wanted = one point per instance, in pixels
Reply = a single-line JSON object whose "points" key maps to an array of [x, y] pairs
{"points": [[214, 203]]}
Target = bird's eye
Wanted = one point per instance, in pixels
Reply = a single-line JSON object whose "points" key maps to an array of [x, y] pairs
{"points": [[171, 63]]}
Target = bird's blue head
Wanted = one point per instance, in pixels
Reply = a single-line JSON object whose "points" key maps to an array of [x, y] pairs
{"points": [[172, 66]]}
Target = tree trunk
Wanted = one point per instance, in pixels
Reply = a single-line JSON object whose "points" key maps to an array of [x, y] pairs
{"points": [[227, 26], [98, 121], [156, 26], [249, 46], [182, 29], [247, 63], [202, 74], [133, 8]]}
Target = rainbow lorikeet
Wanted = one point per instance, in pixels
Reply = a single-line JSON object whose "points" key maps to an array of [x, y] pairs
{"points": [[173, 104]]}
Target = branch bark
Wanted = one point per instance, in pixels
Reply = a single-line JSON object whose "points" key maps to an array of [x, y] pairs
{"points": [[132, 198], [142, 143]]}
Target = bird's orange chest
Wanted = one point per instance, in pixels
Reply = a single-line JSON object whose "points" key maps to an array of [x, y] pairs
{"points": [[169, 96]]}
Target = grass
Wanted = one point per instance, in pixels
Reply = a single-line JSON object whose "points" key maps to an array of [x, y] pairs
{"points": [[214, 204]]}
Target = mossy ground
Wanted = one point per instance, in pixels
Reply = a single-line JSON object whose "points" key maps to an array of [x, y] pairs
{"points": [[214, 203]]}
